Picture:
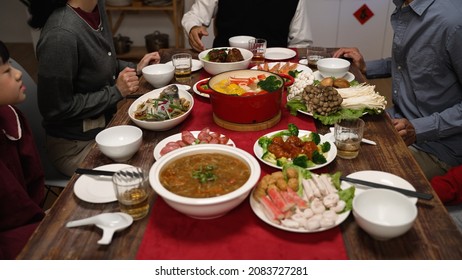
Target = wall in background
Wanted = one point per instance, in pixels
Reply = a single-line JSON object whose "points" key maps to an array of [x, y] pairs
{"points": [[332, 22]]}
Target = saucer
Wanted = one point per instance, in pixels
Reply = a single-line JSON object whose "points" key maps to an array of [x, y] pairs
{"points": [[349, 76]]}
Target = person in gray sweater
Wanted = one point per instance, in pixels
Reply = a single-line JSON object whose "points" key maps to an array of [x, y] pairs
{"points": [[80, 79]]}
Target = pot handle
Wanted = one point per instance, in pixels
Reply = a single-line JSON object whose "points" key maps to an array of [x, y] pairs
{"points": [[204, 90], [289, 80]]}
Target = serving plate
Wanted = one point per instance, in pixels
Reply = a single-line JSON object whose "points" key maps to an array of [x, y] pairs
{"points": [[196, 65], [256, 208], [177, 137], [97, 189], [348, 76], [198, 92], [300, 67], [258, 151], [381, 177], [279, 53]]}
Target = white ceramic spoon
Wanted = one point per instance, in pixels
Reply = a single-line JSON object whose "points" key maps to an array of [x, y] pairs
{"points": [[108, 222]]}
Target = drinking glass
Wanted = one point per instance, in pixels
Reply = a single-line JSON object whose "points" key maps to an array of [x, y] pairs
{"points": [[313, 54], [132, 191], [183, 64], [348, 135], [258, 49]]}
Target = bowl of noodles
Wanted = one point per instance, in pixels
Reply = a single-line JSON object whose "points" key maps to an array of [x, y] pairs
{"points": [[161, 109]]}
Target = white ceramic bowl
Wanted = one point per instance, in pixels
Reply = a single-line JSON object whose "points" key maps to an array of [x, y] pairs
{"points": [[384, 214], [205, 208], [220, 67], [240, 41], [160, 125], [333, 67], [119, 143], [159, 75]]}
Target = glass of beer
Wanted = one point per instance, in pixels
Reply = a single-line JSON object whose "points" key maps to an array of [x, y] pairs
{"points": [[258, 49], [132, 190], [348, 135], [183, 64], [313, 54]]}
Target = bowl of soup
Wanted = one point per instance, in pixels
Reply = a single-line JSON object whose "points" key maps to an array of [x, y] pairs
{"points": [[205, 181]]}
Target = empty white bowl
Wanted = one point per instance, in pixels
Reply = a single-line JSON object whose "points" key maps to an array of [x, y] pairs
{"points": [[240, 41], [205, 208], [214, 68], [119, 143], [333, 67], [159, 75], [384, 214]]}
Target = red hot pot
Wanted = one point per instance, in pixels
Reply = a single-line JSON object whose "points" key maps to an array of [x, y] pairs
{"points": [[246, 108]]}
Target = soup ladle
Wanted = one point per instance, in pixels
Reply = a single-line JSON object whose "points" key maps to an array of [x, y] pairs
{"points": [[108, 222]]}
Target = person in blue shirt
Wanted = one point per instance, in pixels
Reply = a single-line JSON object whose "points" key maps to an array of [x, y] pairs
{"points": [[426, 71]]}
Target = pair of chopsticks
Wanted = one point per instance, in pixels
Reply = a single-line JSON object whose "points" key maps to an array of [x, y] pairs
{"points": [[426, 196]]}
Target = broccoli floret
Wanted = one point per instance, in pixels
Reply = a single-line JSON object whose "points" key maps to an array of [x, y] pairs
{"points": [[292, 130], [264, 143], [301, 160], [318, 158], [281, 161], [269, 157], [314, 137], [325, 147]]}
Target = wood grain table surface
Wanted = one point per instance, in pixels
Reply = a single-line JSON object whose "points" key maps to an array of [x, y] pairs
{"points": [[433, 236]]}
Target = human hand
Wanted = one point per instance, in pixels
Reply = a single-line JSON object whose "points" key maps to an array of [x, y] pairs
{"points": [[195, 36], [149, 58], [405, 129], [127, 82], [355, 55]]}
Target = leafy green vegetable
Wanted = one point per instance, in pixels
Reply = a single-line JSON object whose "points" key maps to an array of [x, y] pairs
{"points": [[301, 160], [294, 105], [269, 157], [270, 84], [282, 161], [294, 73], [318, 158], [347, 195], [325, 147], [205, 173]]}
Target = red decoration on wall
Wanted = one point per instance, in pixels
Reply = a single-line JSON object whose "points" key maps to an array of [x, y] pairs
{"points": [[363, 14]]}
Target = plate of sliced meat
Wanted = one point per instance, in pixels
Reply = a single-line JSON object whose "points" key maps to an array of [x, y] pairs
{"points": [[188, 138]]}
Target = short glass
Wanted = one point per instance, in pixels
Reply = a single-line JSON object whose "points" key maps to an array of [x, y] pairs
{"points": [[258, 49], [348, 135], [132, 190], [313, 54], [183, 64]]}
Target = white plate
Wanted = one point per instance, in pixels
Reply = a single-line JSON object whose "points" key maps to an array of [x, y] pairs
{"points": [[303, 61], [258, 151], [349, 76], [196, 65], [198, 92], [255, 205], [97, 189], [381, 177], [176, 137], [279, 53], [300, 67]]}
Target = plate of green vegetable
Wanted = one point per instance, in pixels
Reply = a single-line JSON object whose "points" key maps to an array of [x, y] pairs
{"points": [[303, 148]]}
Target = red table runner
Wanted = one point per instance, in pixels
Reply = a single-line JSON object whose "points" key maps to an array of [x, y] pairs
{"points": [[240, 234]]}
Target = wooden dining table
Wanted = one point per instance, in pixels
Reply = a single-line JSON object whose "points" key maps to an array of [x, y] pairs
{"points": [[433, 235]]}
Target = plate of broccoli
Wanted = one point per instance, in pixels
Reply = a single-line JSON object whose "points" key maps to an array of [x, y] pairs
{"points": [[303, 148]]}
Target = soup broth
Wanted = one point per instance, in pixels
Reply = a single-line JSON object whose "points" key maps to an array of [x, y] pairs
{"points": [[204, 175]]}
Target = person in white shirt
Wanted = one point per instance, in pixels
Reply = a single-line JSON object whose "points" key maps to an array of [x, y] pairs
{"points": [[289, 27]]}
